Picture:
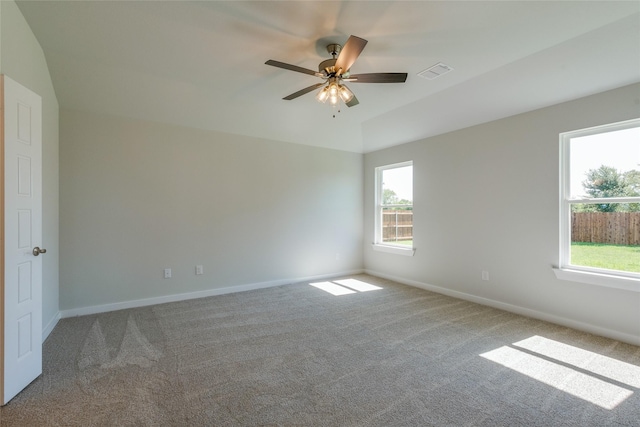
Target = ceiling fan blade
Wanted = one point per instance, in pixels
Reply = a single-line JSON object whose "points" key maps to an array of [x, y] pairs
{"points": [[303, 91], [354, 101], [293, 68], [349, 53], [378, 78]]}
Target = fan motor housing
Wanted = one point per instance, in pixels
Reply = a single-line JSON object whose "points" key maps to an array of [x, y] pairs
{"points": [[327, 65]]}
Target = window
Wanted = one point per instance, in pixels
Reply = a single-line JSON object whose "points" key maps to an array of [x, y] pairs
{"points": [[394, 209], [600, 205]]}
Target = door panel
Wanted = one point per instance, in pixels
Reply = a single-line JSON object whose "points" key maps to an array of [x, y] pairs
{"points": [[22, 285]]}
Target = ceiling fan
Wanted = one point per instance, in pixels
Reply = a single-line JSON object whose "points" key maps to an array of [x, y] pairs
{"points": [[336, 70]]}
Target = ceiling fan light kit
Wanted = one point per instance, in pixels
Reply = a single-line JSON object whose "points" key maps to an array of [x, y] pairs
{"points": [[336, 70], [334, 90]]}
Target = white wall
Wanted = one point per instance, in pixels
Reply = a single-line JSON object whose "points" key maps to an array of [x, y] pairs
{"points": [[138, 196], [486, 198], [22, 59]]}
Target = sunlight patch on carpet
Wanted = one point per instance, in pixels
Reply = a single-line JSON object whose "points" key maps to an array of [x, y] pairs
{"points": [[345, 286], [574, 381], [358, 285], [333, 288], [616, 370]]}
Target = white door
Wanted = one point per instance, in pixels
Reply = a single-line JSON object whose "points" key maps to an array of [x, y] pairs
{"points": [[22, 234]]}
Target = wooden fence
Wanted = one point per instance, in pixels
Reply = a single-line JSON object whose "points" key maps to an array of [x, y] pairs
{"points": [[614, 228], [397, 225]]}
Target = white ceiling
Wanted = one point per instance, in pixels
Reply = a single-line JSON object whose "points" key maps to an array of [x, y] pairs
{"points": [[201, 64]]}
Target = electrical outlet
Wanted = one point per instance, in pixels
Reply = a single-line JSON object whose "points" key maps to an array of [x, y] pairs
{"points": [[167, 273], [199, 270], [485, 275]]}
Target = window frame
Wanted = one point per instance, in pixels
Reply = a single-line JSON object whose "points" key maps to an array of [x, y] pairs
{"points": [[378, 243], [566, 270]]}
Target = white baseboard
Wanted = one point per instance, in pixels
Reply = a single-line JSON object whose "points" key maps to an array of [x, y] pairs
{"points": [[52, 324], [95, 309], [586, 327]]}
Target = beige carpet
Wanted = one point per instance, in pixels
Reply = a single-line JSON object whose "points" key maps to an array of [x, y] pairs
{"points": [[364, 352]]}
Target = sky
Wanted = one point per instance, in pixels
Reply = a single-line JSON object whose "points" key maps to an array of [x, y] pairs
{"points": [[400, 180], [619, 149]]}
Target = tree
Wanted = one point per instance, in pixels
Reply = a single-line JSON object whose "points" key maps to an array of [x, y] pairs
{"points": [[632, 180], [389, 197], [606, 182]]}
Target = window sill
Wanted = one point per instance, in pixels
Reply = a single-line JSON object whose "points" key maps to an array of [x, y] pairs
{"points": [[393, 249], [599, 279]]}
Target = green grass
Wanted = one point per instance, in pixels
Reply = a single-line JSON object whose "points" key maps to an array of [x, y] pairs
{"points": [[612, 257], [400, 242]]}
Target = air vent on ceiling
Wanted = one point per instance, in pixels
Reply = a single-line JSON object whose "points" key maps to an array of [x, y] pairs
{"points": [[436, 71]]}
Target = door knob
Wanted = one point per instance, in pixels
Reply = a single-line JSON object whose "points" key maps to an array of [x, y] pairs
{"points": [[37, 251]]}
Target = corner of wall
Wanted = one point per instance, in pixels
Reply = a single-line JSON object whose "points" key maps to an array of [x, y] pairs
{"points": [[48, 328]]}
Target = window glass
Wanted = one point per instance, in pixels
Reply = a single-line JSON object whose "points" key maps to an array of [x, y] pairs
{"points": [[600, 218], [601, 163], [394, 205]]}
